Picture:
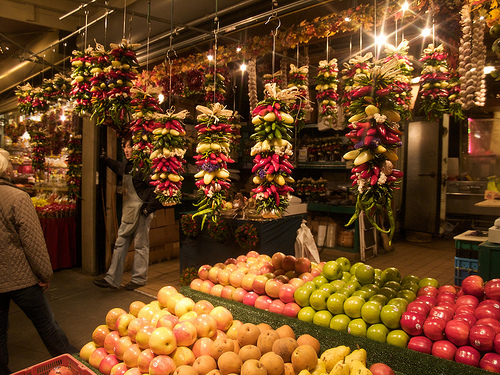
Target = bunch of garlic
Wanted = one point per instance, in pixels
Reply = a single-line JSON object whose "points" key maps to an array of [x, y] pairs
{"points": [[252, 84]]}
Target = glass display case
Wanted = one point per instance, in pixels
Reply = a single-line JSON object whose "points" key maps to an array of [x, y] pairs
{"points": [[483, 149]]}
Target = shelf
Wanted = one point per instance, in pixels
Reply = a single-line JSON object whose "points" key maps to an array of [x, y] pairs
{"points": [[322, 207], [324, 165]]}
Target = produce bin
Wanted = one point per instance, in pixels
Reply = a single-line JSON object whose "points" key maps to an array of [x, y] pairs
{"points": [[489, 260], [467, 244], [67, 360], [464, 267]]}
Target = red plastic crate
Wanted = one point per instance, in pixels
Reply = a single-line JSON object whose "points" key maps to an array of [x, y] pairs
{"points": [[67, 360]]}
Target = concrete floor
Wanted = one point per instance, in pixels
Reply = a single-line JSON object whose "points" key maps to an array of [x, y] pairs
{"points": [[79, 306]]}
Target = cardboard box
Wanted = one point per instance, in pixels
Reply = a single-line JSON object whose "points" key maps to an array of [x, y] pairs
{"points": [[164, 217], [156, 236]]}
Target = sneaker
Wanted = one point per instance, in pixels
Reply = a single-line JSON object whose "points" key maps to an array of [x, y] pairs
{"points": [[102, 283], [132, 286]]}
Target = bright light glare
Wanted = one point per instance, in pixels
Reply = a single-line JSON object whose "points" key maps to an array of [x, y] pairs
{"points": [[63, 117], [488, 69], [210, 57], [380, 40], [415, 80], [347, 19], [238, 49], [243, 67], [426, 32], [161, 98], [405, 6]]}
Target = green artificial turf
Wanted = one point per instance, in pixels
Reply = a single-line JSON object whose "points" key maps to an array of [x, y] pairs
{"points": [[401, 360]]}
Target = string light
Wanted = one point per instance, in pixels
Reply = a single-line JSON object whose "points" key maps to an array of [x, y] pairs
{"points": [[426, 32], [243, 67]]}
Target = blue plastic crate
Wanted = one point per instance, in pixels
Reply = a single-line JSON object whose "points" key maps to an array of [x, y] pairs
{"points": [[465, 267]]}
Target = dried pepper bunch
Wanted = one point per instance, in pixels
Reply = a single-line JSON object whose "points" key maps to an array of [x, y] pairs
{"points": [[246, 236], [439, 93], [297, 77], [167, 158], [80, 93], [74, 161], [272, 151], [214, 132], [216, 86], [326, 87], [375, 132], [189, 226], [220, 231], [38, 150]]}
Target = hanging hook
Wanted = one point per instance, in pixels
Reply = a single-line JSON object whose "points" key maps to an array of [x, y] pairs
{"points": [[167, 55], [274, 15]]}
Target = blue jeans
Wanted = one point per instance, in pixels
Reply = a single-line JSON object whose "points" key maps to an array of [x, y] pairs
{"points": [[33, 303], [139, 232]]}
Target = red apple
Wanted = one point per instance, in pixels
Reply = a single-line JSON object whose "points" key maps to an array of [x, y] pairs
{"points": [[133, 371], [302, 265], [446, 296], [263, 302], [185, 333], [464, 308], [239, 294], [412, 323], [420, 307], [203, 307], [99, 334], [196, 284], [429, 299], [473, 285], [467, 299], [496, 343], [286, 293], [306, 276], [112, 317], [291, 309], [444, 349], [119, 369], [97, 356], [230, 261], [167, 320], [492, 289], [487, 311], [420, 344], [241, 258], [131, 355], [428, 290], [223, 317], [162, 365], [296, 282], [236, 278], [381, 369], [442, 312], [466, 317], [277, 306], [143, 335], [247, 281], [250, 298], [110, 341], [206, 286], [272, 288], [481, 337], [493, 323], [217, 290], [288, 263], [259, 284], [277, 260], [468, 356], [227, 292], [267, 268], [457, 331], [447, 288], [434, 328], [202, 346], [252, 254], [490, 362], [206, 325], [121, 346], [203, 271], [135, 325], [87, 350], [144, 360]]}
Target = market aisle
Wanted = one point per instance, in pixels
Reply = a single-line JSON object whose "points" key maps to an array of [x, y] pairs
{"points": [[79, 306]]}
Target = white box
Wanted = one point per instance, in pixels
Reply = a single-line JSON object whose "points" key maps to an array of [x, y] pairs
{"points": [[296, 209], [494, 234]]}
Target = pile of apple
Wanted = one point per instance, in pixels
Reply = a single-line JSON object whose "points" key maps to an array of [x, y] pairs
{"points": [[457, 324], [258, 280], [175, 335]]}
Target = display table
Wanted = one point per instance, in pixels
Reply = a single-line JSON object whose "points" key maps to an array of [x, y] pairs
{"points": [[60, 237], [274, 235]]}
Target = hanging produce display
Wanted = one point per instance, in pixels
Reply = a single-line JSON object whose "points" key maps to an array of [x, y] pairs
{"points": [[273, 150], [167, 157], [80, 94], [145, 107], [375, 132], [212, 180], [252, 84], [38, 150], [327, 96], [31, 100], [472, 55], [74, 161], [297, 77], [439, 90], [57, 89], [99, 67], [219, 84]]}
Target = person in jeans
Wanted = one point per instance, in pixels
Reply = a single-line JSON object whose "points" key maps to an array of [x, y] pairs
{"points": [[25, 268], [139, 205]]}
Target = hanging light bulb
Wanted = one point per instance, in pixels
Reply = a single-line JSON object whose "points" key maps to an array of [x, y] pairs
{"points": [[347, 19], [63, 117], [426, 32], [243, 67], [380, 40], [161, 98], [405, 6], [210, 55], [238, 49]]}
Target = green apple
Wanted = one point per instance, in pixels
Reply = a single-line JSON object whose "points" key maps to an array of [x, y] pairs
{"points": [[390, 316], [388, 292], [428, 281], [335, 303], [354, 266], [319, 280], [379, 298], [393, 285], [410, 278], [390, 274], [344, 263], [318, 299], [399, 302], [328, 287], [410, 286], [332, 270], [310, 285], [407, 294], [353, 284], [346, 276], [365, 274], [345, 291], [306, 314], [302, 294], [378, 273], [352, 306], [372, 289], [322, 318], [362, 293], [370, 312], [340, 322], [398, 337], [337, 284], [357, 327], [377, 332]]}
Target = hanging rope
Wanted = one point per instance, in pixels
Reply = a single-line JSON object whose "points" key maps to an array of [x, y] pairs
{"points": [[273, 33], [86, 28], [170, 48], [327, 49], [216, 31], [106, 3], [124, 18], [148, 20]]}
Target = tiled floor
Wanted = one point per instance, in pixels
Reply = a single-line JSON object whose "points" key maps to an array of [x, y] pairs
{"points": [[79, 306]]}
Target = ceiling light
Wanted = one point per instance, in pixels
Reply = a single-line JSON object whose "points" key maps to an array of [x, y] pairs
{"points": [[238, 49], [488, 69], [380, 40], [63, 117], [161, 98], [243, 67], [405, 6], [426, 32], [347, 19]]}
